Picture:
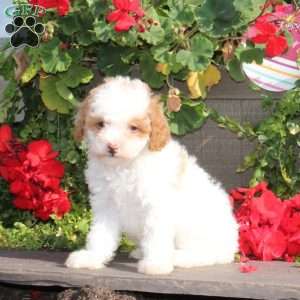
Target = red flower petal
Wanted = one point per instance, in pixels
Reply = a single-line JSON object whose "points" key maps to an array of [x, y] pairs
{"points": [[284, 8], [291, 221], [276, 45], [63, 205], [265, 18], [273, 245], [295, 237], [23, 203], [267, 207], [5, 137], [114, 16], [126, 15], [246, 268], [33, 159], [244, 259], [135, 6], [62, 6], [124, 23], [265, 31], [16, 187], [44, 3], [53, 203], [52, 168], [293, 249], [41, 148]]}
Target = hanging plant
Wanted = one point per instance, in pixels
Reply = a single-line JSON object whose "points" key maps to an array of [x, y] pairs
{"points": [[277, 32]]}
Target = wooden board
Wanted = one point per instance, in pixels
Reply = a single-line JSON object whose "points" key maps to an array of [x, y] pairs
{"points": [[272, 280]]}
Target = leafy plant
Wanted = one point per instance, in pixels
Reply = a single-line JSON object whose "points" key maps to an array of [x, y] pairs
{"points": [[276, 156]]}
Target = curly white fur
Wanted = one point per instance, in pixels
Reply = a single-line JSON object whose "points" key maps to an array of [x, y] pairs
{"points": [[163, 200]]}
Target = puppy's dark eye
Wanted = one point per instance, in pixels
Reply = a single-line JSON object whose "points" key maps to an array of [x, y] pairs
{"points": [[100, 124], [133, 128]]}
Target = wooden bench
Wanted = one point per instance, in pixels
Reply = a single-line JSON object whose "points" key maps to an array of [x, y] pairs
{"points": [[271, 280]]}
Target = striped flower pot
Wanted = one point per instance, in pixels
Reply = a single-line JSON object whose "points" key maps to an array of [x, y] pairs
{"points": [[276, 74]]}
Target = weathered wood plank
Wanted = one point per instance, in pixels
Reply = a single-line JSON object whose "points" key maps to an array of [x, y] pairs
{"points": [[272, 280]]}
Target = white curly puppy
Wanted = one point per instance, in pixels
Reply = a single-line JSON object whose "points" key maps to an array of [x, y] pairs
{"points": [[145, 184]]}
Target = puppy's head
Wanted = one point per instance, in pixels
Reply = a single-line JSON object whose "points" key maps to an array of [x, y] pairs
{"points": [[120, 118]]}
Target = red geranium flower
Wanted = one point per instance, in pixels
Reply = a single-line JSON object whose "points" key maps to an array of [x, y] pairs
{"points": [[34, 176], [269, 29], [126, 15], [263, 32], [269, 228], [62, 6]]}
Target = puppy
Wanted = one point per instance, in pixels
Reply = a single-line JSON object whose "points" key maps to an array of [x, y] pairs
{"points": [[145, 184]]}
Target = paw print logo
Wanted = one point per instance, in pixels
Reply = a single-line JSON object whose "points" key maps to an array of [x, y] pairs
{"points": [[24, 31]]}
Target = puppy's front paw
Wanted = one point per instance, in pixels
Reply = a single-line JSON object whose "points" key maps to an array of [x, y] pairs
{"points": [[83, 259], [154, 268]]}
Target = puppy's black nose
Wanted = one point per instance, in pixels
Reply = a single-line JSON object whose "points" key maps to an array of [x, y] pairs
{"points": [[112, 149]]}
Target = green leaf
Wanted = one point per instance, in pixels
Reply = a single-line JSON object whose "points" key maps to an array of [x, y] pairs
{"points": [[182, 11], [248, 9], [30, 72], [163, 55], [83, 226], [50, 96], [252, 55], [289, 38], [65, 92], [189, 118], [6, 99], [86, 36], [76, 54], [199, 57], [149, 73], [10, 90], [217, 17], [69, 24], [257, 177], [249, 162], [7, 66], [53, 58], [160, 52], [76, 75], [235, 70], [153, 36], [156, 34], [297, 83], [103, 31], [110, 60], [128, 38]]}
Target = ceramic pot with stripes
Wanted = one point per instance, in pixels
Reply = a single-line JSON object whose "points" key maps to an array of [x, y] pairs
{"points": [[278, 73]]}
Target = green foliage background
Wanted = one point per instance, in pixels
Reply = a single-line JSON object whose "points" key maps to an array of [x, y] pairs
{"points": [[186, 35]]}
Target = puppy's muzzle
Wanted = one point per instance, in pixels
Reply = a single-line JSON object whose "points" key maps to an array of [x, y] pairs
{"points": [[112, 149]]}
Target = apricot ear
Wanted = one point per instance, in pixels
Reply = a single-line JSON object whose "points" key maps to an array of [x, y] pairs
{"points": [[80, 119], [160, 132]]}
